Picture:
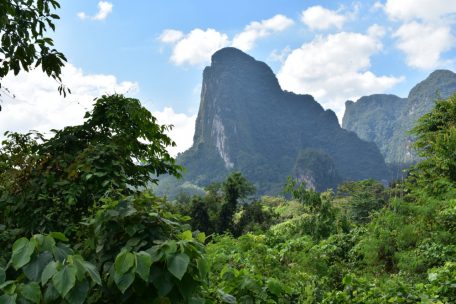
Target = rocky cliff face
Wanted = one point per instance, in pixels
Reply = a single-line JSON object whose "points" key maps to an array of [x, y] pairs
{"points": [[247, 123], [386, 119]]}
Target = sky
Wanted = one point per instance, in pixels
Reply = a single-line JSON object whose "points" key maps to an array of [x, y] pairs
{"points": [[156, 51]]}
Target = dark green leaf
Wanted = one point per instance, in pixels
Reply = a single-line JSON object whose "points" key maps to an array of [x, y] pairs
{"points": [[2, 275], [48, 272], [143, 263], [178, 264], [31, 292], [34, 269], [7, 299], [65, 279], [79, 293], [22, 251], [124, 281], [161, 279], [124, 261]]}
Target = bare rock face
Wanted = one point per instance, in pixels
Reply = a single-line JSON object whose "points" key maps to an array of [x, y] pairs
{"points": [[247, 123]]}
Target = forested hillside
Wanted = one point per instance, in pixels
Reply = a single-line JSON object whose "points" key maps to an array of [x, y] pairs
{"points": [[77, 226]]}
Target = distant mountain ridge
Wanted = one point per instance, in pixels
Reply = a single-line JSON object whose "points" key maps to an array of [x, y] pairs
{"points": [[386, 119], [247, 123]]}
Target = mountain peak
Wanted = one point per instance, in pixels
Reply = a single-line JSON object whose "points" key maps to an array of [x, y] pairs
{"points": [[230, 54]]}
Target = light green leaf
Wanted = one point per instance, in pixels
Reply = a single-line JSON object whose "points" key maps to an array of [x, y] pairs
{"points": [[186, 235], [59, 236], [34, 269], [31, 292], [123, 281], [48, 272], [201, 237], [143, 263], [79, 293], [178, 265], [124, 261], [22, 251], [65, 279], [203, 267]]}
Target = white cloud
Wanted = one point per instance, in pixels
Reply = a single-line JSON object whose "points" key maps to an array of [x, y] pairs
{"points": [[376, 31], [281, 55], [182, 132], [171, 36], [198, 46], [320, 18], [38, 105], [419, 9], [423, 44], [104, 9], [334, 68], [255, 30]]}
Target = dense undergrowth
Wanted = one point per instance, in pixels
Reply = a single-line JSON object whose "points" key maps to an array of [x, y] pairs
{"points": [[77, 224]]}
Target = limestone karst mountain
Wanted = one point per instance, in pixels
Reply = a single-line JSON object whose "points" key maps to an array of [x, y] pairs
{"points": [[247, 123], [386, 119]]}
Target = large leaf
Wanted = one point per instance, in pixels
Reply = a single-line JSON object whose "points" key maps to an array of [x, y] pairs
{"points": [[92, 271], [79, 293], [143, 263], [34, 269], [124, 261], [161, 279], [48, 272], [65, 279], [31, 292], [123, 281], [7, 299], [178, 264], [22, 251]]}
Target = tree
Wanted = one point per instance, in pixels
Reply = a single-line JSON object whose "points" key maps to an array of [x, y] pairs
{"points": [[24, 45], [119, 149], [436, 143], [235, 187]]}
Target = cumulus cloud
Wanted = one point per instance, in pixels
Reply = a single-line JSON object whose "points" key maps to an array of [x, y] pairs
{"points": [[104, 9], [38, 105], [255, 30], [423, 44], [422, 9], [320, 18], [182, 131], [425, 33], [334, 68], [195, 47]]}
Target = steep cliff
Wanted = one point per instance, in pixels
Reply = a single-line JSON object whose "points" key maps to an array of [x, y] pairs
{"points": [[247, 123], [386, 119]]}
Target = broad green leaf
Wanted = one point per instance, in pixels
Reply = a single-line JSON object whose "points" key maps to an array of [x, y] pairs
{"points": [[48, 272], [123, 281], [58, 236], [92, 271], [7, 299], [178, 264], [2, 275], [34, 269], [161, 279], [186, 235], [143, 263], [79, 293], [31, 292], [65, 279], [22, 251], [124, 261], [61, 252], [51, 294]]}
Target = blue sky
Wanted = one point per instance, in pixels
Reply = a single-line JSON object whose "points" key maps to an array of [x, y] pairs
{"points": [[156, 51]]}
